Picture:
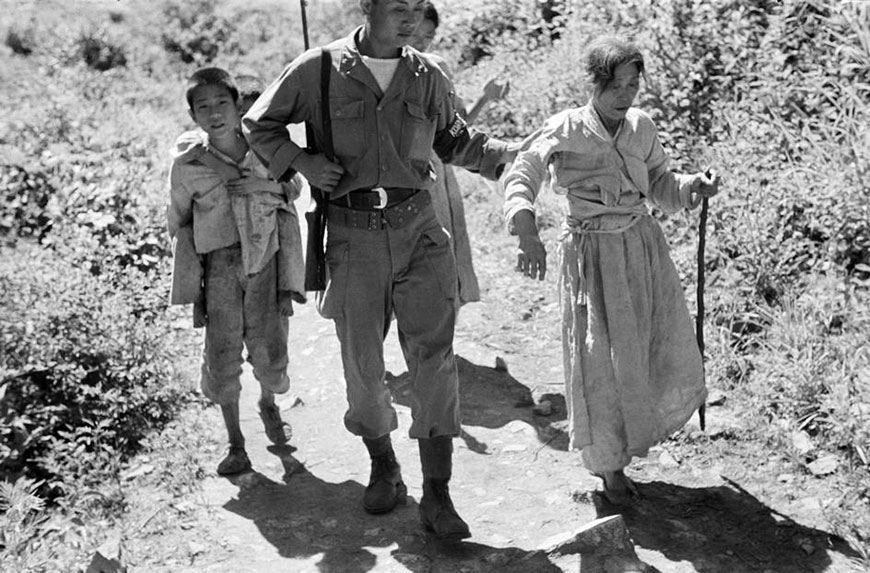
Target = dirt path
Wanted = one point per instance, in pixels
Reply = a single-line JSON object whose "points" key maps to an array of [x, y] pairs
{"points": [[514, 481]]}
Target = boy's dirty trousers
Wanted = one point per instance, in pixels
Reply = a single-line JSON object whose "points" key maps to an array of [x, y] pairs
{"points": [[242, 313], [406, 267]]}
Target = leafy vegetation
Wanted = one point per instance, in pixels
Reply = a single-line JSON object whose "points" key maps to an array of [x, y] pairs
{"points": [[774, 94]]}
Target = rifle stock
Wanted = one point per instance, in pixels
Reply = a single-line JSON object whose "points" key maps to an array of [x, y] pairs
{"points": [[315, 258]]}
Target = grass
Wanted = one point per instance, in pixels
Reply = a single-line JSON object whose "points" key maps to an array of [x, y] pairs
{"points": [[788, 270]]}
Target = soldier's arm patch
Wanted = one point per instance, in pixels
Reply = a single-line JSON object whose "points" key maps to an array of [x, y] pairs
{"points": [[446, 140], [457, 126]]}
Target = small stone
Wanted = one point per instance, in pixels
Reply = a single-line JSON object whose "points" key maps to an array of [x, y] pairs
{"points": [[605, 538], [514, 448], [500, 540], [107, 559], [716, 398], [824, 465], [134, 472], [195, 548], [185, 506], [413, 561], [802, 443], [497, 559]]}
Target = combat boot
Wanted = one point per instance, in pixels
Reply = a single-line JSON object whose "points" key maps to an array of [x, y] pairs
{"points": [[436, 508], [385, 489]]}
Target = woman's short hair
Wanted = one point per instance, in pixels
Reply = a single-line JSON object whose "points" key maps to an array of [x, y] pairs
{"points": [[606, 53], [211, 77], [431, 14]]}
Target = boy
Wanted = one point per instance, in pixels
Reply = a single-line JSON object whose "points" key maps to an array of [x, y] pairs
{"points": [[249, 277]]}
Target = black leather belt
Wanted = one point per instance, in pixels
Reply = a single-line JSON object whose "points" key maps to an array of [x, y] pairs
{"points": [[396, 216], [375, 198]]}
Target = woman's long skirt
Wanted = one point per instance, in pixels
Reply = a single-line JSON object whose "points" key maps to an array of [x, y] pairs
{"points": [[633, 371]]}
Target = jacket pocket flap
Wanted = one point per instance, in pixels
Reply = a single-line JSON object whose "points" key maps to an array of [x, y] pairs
{"points": [[346, 108], [416, 110]]}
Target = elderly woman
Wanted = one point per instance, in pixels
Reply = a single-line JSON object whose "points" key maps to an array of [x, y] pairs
{"points": [[633, 371]]}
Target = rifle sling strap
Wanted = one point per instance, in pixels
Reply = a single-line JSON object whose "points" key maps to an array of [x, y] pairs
{"points": [[326, 119]]}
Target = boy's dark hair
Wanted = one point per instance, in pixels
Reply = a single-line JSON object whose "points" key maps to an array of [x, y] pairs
{"points": [[250, 87], [210, 77], [606, 53], [431, 14]]}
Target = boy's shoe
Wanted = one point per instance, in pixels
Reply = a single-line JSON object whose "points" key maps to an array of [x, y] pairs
{"points": [[236, 462], [278, 431]]}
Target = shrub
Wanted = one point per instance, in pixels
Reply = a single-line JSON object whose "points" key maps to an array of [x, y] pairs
{"points": [[21, 41], [194, 31], [26, 210], [84, 369], [99, 53]]}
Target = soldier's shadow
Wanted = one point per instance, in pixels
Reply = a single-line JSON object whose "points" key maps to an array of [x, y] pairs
{"points": [[324, 524], [723, 528], [492, 398]]}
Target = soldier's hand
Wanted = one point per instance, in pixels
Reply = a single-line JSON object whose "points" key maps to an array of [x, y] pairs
{"points": [[253, 184], [318, 170]]}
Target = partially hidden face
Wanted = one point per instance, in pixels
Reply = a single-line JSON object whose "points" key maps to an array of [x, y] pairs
{"points": [[215, 111], [613, 100], [424, 36], [393, 22]]}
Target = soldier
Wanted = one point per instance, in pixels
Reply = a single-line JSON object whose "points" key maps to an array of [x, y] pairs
{"points": [[389, 107]]}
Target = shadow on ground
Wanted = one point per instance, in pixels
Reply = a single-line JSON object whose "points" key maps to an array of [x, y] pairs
{"points": [[306, 517], [492, 398], [723, 528]]}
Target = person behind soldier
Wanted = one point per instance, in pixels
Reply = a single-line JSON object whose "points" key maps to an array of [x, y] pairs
{"points": [[445, 192], [386, 251], [220, 188], [633, 371]]}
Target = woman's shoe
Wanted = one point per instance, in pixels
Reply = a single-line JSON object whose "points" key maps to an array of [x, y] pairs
{"points": [[619, 489]]}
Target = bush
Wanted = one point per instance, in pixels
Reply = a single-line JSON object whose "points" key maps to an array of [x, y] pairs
{"points": [[99, 53], [85, 369], [195, 32], [26, 199], [21, 41]]}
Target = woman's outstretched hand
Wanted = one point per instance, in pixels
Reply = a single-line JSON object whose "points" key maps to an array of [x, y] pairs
{"points": [[704, 185], [531, 254]]}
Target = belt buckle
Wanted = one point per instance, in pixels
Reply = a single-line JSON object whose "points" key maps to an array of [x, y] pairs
{"points": [[382, 197]]}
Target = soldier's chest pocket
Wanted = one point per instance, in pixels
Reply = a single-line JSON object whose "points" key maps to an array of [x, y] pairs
{"points": [[418, 132], [348, 126]]}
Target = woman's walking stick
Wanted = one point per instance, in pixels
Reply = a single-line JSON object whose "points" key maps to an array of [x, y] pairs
{"points": [[699, 317]]}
